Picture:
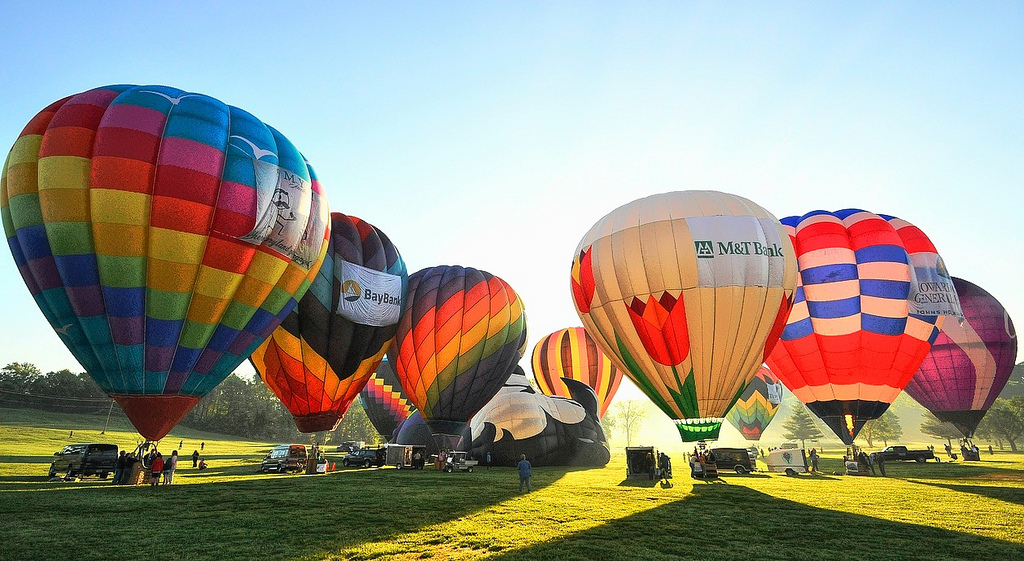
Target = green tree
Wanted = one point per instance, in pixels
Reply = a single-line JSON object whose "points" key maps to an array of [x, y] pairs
{"points": [[627, 416], [1005, 419], [18, 376], [355, 425], [885, 427], [943, 431], [800, 426]]}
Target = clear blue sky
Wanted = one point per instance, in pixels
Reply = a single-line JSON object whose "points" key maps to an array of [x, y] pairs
{"points": [[494, 134]]}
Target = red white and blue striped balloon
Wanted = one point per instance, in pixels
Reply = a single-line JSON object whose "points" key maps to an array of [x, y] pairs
{"points": [[853, 341]]}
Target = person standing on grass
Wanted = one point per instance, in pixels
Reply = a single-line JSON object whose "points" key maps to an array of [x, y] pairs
{"points": [[489, 458], [157, 468], [814, 459], [169, 466], [195, 458], [525, 473], [880, 460], [119, 469]]}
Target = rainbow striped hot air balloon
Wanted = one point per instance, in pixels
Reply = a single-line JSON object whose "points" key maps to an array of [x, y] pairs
{"points": [[571, 353], [687, 291], [458, 341], [872, 289], [164, 235], [969, 363], [757, 405], [324, 352], [384, 401]]}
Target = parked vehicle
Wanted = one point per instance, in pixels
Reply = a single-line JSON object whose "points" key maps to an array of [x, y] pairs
{"points": [[285, 458], [641, 462], [85, 459], [367, 457], [736, 459], [406, 455], [790, 461], [891, 453], [350, 446], [459, 461]]}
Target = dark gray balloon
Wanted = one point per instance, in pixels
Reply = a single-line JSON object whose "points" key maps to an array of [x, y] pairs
{"points": [[550, 430]]}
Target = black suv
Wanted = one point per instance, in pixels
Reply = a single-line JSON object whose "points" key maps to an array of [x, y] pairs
{"points": [[85, 459], [366, 457]]}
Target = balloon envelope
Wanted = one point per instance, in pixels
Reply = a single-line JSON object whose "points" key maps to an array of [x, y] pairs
{"points": [[384, 401], [968, 364], [324, 352], [757, 405], [164, 235], [853, 339], [458, 341], [550, 430], [571, 353], [687, 292]]}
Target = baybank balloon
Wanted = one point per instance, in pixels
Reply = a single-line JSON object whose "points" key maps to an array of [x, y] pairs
{"points": [[969, 363], [687, 292], [164, 235], [324, 352], [872, 288]]}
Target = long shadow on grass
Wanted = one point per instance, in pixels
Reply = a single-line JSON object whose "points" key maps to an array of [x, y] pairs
{"points": [[736, 522], [1008, 494], [263, 517], [962, 470]]}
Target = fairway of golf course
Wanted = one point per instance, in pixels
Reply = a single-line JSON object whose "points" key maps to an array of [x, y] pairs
{"points": [[931, 511]]}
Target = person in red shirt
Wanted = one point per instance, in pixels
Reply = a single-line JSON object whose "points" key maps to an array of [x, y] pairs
{"points": [[158, 467]]}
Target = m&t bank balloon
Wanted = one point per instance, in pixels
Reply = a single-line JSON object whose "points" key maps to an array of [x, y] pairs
{"points": [[687, 292]]}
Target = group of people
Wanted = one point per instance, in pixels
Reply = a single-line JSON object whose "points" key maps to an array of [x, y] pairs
{"points": [[159, 467], [865, 461], [703, 463], [154, 463]]}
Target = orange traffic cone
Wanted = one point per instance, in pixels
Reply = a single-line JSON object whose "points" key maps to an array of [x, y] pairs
{"points": [[333, 465]]}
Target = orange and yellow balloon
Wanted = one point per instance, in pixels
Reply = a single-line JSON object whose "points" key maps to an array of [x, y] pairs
{"points": [[571, 353]]}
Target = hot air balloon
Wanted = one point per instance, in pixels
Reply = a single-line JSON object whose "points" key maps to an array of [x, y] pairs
{"points": [[164, 235], [323, 353], [457, 343], [862, 323], [384, 401], [687, 292], [757, 405], [969, 363], [571, 353], [550, 430]]}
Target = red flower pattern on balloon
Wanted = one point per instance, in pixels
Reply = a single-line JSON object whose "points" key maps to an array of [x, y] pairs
{"points": [[582, 281], [661, 325]]}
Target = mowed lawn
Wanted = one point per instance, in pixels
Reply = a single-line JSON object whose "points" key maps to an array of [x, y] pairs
{"points": [[920, 511]]}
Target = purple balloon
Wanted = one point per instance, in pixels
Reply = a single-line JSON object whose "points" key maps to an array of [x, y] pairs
{"points": [[969, 364]]}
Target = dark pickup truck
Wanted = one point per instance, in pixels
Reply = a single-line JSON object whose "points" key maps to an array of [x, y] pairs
{"points": [[892, 453]]}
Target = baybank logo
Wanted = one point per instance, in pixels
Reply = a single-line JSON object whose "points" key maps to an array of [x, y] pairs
{"points": [[351, 291]]}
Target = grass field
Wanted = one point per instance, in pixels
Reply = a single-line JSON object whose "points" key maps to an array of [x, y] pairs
{"points": [[920, 511]]}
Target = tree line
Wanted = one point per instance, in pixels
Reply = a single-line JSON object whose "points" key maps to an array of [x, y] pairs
{"points": [[238, 407]]}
